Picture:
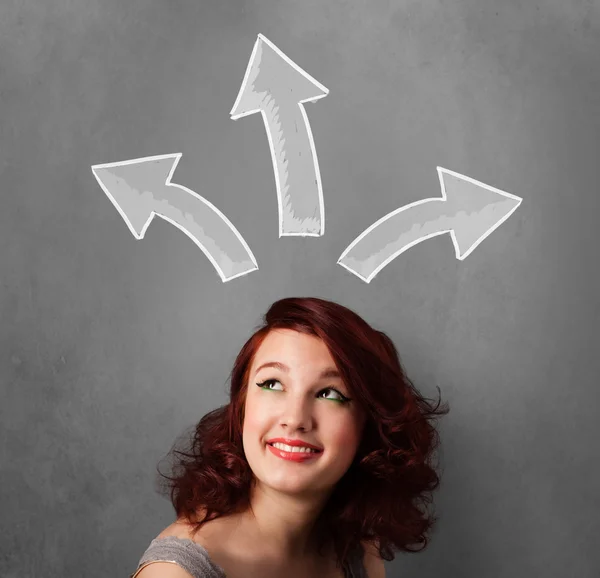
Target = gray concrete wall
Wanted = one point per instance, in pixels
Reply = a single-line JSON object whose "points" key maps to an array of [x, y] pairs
{"points": [[111, 345]]}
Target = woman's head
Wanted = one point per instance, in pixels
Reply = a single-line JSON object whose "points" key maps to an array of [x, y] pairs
{"points": [[377, 448], [295, 391]]}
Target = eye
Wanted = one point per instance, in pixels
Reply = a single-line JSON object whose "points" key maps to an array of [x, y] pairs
{"points": [[265, 384], [341, 397]]}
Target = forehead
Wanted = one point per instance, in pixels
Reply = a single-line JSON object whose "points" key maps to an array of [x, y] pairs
{"points": [[293, 349]]}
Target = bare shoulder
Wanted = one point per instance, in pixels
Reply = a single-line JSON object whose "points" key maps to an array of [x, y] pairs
{"points": [[178, 529], [372, 561]]}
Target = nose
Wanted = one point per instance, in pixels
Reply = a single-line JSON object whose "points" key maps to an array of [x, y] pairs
{"points": [[297, 415]]}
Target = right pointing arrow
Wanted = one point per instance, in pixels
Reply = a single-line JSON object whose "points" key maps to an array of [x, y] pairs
{"points": [[468, 209], [142, 188]]}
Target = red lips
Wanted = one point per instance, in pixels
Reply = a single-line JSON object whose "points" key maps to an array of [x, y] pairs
{"points": [[294, 443]]}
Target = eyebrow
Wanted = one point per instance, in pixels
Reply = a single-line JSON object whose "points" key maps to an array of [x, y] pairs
{"points": [[328, 373]]}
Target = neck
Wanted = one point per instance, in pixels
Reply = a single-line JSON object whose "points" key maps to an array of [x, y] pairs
{"points": [[283, 526]]}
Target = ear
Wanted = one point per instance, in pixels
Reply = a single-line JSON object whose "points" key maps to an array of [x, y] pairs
{"points": [[372, 562]]}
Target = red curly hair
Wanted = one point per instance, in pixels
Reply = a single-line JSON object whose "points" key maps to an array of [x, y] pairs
{"points": [[379, 498]]}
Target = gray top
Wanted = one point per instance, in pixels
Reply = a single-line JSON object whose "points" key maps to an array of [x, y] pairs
{"points": [[194, 558]]}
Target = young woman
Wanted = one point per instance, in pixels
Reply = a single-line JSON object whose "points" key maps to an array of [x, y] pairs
{"points": [[315, 468]]}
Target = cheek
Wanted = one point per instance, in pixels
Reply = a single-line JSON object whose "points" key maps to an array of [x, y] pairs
{"points": [[254, 424], [345, 435]]}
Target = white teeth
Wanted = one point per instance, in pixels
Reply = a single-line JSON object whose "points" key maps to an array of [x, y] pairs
{"points": [[293, 448]]}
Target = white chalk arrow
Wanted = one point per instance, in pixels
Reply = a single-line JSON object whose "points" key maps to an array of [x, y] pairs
{"points": [[468, 209], [277, 88], [142, 188]]}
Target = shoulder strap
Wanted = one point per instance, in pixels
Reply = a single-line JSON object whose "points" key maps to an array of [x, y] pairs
{"points": [[187, 554]]}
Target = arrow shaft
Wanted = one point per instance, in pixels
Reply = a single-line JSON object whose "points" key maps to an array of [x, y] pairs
{"points": [[206, 226], [394, 234], [295, 165]]}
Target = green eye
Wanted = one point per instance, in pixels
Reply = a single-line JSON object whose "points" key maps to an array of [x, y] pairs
{"points": [[343, 399], [264, 384]]}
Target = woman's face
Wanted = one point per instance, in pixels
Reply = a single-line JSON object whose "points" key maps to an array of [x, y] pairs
{"points": [[299, 402]]}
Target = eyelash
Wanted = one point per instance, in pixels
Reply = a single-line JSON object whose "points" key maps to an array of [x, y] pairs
{"points": [[344, 400]]}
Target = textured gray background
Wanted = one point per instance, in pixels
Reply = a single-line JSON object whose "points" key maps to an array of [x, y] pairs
{"points": [[111, 346]]}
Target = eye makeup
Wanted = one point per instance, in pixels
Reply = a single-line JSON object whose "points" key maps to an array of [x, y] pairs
{"points": [[342, 401]]}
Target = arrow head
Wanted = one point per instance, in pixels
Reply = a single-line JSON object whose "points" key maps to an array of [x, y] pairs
{"points": [[271, 75], [477, 209], [132, 186]]}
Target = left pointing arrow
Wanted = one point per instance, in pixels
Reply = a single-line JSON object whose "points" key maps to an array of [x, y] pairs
{"points": [[142, 188]]}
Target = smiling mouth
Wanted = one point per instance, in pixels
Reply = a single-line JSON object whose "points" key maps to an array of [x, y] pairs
{"points": [[311, 451]]}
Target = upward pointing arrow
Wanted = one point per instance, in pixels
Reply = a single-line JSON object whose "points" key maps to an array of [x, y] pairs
{"points": [[277, 88], [142, 188]]}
